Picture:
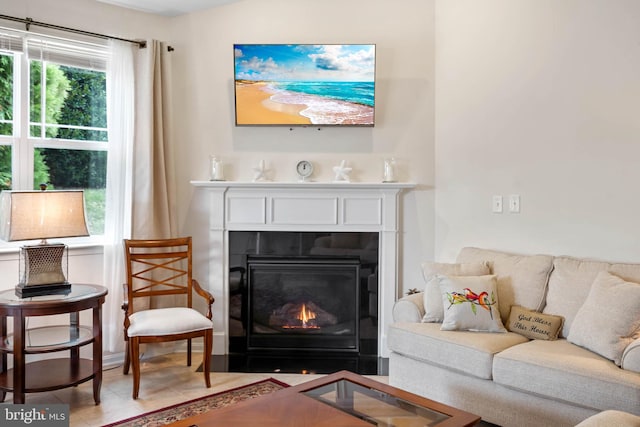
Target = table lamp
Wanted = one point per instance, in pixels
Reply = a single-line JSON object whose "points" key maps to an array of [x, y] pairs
{"points": [[31, 215]]}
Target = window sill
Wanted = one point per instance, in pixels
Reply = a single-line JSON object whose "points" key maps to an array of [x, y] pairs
{"points": [[77, 246]]}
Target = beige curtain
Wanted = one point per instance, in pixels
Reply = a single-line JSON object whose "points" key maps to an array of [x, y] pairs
{"points": [[154, 213], [154, 191]]}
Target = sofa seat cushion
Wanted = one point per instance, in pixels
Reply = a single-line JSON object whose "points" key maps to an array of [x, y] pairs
{"points": [[470, 353], [522, 279], [564, 371]]}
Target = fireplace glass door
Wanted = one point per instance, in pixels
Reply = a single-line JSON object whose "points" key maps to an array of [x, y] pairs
{"points": [[303, 303]]}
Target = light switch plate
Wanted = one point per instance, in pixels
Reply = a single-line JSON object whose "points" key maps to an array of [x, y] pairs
{"points": [[514, 203], [496, 204]]}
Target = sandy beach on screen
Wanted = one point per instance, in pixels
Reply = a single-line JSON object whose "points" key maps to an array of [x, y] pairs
{"points": [[255, 107]]}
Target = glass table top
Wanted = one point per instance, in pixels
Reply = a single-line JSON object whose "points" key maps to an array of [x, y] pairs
{"points": [[52, 336], [375, 406], [76, 291]]}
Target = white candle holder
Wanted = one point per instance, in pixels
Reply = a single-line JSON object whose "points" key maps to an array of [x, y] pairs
{"points": [[389, 174], [216, 172]]}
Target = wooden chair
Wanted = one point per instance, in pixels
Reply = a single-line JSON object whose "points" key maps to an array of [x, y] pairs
{"points": [[160, 268]]}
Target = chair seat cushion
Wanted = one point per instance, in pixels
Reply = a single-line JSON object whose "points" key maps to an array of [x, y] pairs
{"points": [[167, 321]]}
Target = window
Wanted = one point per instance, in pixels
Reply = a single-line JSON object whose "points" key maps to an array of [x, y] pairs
{"points": [[6, 118], [53, 118]]}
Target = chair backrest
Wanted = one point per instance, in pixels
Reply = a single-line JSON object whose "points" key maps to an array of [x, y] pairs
{"points": [[157, 268]]}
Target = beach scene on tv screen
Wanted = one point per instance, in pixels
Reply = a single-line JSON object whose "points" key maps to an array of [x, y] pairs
{"points": [[298, 84]]}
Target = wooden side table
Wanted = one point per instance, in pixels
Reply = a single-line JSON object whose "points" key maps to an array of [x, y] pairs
{"points": [[51, 374]]}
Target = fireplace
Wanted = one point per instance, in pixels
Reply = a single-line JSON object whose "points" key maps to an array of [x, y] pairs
{"points": [[229, 207], [303, 303]]}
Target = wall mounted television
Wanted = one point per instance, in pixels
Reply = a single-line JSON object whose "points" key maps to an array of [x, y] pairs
{"points": [[304, 84]]}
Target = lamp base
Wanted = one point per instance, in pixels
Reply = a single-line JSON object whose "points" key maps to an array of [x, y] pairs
{"points": [[28, 291], [43, 264]]}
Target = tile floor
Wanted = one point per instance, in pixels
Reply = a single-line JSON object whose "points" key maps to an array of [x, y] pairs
{"points": [[165, 380]]}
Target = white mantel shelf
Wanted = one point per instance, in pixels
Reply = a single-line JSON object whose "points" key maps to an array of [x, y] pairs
{"points": [[302, 206], [305, 184]]}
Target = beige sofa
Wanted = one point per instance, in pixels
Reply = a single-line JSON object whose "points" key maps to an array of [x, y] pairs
{"points": [[509, 379]]}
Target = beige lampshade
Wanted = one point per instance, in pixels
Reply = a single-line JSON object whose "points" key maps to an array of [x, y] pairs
{"points": [[30, 215]]}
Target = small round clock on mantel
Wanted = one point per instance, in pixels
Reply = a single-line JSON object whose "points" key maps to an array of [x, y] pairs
{"points": [[304, 169]]}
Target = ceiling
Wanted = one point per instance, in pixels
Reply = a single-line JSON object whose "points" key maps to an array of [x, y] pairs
{"points": [[168, 7]]}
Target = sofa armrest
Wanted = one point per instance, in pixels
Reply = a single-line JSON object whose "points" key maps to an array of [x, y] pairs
{"points": [[631, 357], [409, 308], [611, 418]]}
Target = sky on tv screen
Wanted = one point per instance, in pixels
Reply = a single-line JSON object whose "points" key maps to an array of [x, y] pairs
{"points": [[304, 84]]}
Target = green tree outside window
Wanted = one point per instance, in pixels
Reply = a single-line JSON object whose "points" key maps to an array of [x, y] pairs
{"points": [[75, 110]]}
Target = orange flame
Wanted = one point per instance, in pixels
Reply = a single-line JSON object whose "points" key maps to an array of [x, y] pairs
{"points": [[306, 315]]}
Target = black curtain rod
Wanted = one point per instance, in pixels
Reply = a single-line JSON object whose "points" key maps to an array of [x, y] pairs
{"points": [[29, 22]]}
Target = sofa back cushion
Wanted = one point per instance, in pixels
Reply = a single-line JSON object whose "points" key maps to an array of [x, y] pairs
{"points": [[609, 320], [570, 283], [522, 279]]}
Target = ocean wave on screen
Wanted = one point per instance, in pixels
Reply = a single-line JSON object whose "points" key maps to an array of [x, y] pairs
{"points": [[356, 92], [323, 110]]}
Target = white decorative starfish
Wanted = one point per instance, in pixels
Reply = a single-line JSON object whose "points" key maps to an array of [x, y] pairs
{"points": [[260, 172], [342, 172]]}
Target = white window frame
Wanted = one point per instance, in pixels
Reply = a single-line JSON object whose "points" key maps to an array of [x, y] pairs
{"points": [[22, 143]]}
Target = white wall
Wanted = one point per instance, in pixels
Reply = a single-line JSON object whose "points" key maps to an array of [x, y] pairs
{"points": [[541, 99], [403, 32]]}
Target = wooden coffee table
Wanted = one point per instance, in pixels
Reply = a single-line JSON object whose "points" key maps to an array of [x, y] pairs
{"points": [[343, 399]]}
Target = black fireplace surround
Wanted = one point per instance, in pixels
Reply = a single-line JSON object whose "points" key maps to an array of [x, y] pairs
{"points": [[303, 294]]}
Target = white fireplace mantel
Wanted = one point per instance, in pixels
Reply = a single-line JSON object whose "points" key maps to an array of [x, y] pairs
{"points": [[302, 206]]}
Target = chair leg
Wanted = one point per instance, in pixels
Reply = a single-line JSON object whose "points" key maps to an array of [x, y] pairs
{"points": [[189, 352], [127, 359], [134, 344], [206, 359]]}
